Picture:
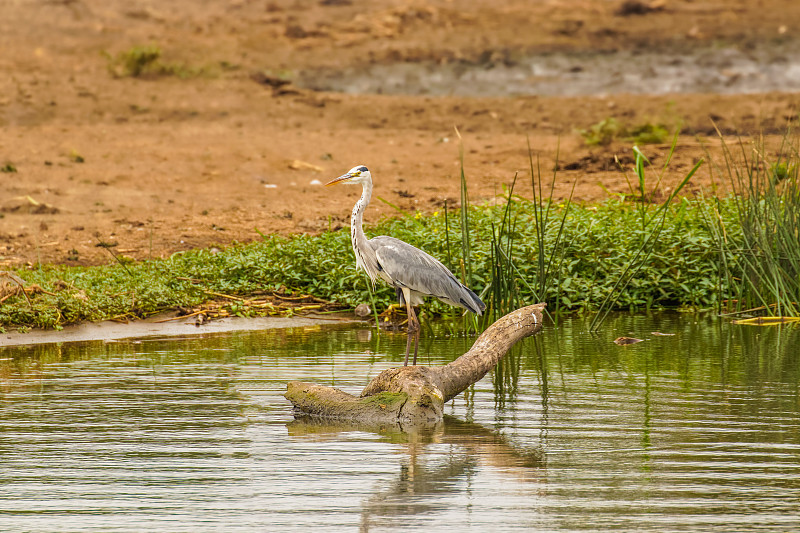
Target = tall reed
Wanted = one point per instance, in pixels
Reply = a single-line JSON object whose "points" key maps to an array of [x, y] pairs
{"points": [[550, 250], [466, 250], [506, 277], [762, 263], [470, 321], [502, 290]]}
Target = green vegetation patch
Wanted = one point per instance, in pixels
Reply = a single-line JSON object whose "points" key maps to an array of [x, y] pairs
{"points": [[595, 245], [145, 61], [610, 129]]}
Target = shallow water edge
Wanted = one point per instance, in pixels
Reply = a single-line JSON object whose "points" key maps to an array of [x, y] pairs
{"points": [[157, 326]]}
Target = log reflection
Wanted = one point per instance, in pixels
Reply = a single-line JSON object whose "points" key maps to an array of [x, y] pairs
{"points": [[436, 460]]}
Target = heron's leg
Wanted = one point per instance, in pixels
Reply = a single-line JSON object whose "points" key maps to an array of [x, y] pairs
{"points": [[413, 327], [408, 347]]}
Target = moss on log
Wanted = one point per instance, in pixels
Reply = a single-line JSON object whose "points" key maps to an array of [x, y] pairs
{"points": [[415, 395]]}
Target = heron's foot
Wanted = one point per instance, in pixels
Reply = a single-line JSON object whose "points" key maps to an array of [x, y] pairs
{"points": [[395, 318]]}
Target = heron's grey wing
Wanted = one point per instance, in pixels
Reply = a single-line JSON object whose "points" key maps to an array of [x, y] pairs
{"points": [[408, 266]]}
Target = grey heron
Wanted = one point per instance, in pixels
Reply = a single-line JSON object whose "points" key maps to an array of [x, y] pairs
{"points": [[413, 273]]}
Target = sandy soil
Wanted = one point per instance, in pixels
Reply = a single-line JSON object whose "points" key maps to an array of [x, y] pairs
{"points": [[219, 151]]}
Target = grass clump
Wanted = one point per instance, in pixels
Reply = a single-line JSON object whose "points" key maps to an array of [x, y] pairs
{"points": [[610, 129], [602, 133], [136, 61], [145, 61], [649, 133]]}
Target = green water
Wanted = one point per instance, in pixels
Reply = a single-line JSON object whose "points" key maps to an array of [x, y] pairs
{"points": [[694, 431]]}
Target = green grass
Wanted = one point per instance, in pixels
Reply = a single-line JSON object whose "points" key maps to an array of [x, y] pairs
{"points": [[145, 61], [602, 133], [136, 61]]}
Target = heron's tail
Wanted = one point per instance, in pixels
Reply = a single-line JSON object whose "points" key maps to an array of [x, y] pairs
{"points": [[472, 302]]}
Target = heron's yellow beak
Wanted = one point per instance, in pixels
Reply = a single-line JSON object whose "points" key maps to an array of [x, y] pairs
{"points": [[341, 179]]}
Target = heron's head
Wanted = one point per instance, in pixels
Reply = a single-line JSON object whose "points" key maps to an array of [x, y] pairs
{"points": [[359, 174]]}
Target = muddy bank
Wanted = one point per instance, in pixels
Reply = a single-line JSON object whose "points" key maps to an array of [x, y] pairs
{"points": [[721, 70]]}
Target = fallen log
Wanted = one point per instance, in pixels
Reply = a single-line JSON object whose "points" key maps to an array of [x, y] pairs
{"points": [[413, 396]]}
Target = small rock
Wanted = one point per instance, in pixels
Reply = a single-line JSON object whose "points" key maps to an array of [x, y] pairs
{"points": [[636, 7], [302, 165], [363, 310]]}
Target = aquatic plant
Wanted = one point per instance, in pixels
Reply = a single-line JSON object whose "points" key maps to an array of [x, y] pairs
{"points": [[760, 252]]}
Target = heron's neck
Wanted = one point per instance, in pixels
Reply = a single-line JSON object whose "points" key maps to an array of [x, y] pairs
{"points": [[360, 245], [356, 219]]}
